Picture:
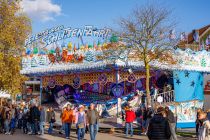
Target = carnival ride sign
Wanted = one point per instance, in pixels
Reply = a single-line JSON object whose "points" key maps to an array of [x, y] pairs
{"points": [[55, 34]]}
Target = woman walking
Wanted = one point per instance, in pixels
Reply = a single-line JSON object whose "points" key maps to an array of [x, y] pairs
{"points": [[68, 118], [203, 131], [80, 122], [7, 120]]}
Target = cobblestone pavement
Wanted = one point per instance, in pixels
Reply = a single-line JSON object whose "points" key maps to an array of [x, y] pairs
{"points": [[101, 136]]}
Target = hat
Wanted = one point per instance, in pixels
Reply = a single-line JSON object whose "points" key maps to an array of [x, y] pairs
{"points": [[92, 104], [81, 106], [129, 106]]}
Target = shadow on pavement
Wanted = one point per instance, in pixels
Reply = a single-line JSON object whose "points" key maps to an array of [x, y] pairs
{"points": [[124, 137]]}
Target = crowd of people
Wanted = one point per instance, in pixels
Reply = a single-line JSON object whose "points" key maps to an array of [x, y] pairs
{"points": [[32, 119], [158, 124]]}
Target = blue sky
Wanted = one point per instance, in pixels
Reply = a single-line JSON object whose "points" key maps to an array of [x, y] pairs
{"points": [[190, 14]]}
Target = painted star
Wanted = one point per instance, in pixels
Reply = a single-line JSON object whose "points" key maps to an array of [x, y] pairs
{"points": [[178, 81], [187, 74], [192, 83]]}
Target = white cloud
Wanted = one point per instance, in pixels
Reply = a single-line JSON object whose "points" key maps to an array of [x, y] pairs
{"points": [[43, 10]]}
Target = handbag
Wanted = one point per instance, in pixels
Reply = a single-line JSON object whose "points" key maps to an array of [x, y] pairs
{"points": [[52, 120], [81, 125]]}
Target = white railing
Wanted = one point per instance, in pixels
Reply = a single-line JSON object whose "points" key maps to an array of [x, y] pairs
{"points": [[168, 97]]}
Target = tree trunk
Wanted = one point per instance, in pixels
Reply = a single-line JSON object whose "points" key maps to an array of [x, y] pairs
{"points": [[147, 67]]}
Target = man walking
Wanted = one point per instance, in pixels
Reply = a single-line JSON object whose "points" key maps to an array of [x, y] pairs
{"points": [[130, 116], [159, 128], [92, 121], [35, 117], [172, 123]]}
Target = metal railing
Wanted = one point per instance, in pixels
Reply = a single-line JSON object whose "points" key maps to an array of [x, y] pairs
{"points": [[167, 97]]}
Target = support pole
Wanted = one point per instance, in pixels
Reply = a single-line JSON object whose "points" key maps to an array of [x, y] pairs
{"points": [[40, 91], [117, 80]]}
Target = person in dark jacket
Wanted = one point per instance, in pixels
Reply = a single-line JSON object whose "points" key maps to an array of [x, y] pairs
{"points": [[208, 114], [51, 119], [159, 128], [198, 122], [35, 117]]}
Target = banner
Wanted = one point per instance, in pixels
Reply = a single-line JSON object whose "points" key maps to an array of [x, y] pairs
{"points": [[188, 86]]}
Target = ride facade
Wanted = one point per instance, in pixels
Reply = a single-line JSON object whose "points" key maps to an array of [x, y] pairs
{"points": [[104, 74]]}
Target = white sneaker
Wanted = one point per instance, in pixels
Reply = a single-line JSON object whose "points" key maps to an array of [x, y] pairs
{"points": [[29, 133], [67, 138]]}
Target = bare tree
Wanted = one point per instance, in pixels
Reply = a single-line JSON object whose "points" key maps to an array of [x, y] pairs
{"points": [[149, 32]]}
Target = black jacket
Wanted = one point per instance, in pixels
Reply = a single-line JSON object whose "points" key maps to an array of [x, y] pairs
{"points": [[159, 128], [34, 114]]}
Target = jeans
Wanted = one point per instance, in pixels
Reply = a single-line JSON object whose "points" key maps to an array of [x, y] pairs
{"points": [[67, 129], [29, 127], [147, 124], [173, 131], [34, 127], [80, 133], [127, 127], [93, 129], [6, 125], [41, 127], [62, 127], [50, 129], [25, 128], [20, 123]]}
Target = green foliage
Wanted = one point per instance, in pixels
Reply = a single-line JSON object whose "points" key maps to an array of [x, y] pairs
{"points": [[203, 62], [14, 29]]}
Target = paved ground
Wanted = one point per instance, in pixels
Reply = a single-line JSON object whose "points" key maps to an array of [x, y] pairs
{"points": [[101, 136]]}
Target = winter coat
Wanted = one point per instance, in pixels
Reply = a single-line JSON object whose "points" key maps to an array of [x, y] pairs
{"points": [[159, 128], [130, 116], [68, 116], [89, 116], [42, 115], [204, 131], [34, 114]]}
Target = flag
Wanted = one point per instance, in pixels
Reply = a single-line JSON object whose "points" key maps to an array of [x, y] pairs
{"points": [[202, 45], [195, 36], [183, 36], [172, 34], [188, 86]]}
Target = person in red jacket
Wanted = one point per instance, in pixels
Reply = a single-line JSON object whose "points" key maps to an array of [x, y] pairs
{"points": [[130, 116]]}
